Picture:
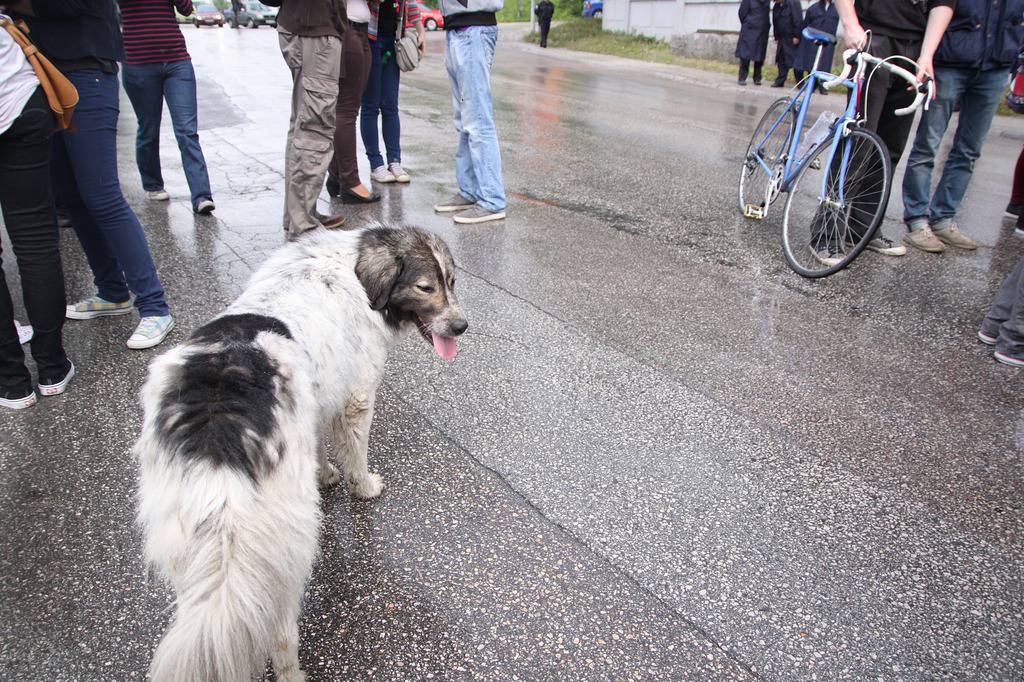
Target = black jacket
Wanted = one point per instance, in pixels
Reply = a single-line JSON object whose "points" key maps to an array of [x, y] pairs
{"points": [[76, 32], [983, 34], [544, 10]]}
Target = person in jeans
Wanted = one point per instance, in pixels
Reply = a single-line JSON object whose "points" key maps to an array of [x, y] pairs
{"points": [[157, 67], [1003, 327], [83, 40], [343, 175], [787, 22], [380, 98], [752, 45], [309, 33], [898, 28], [26, 129], [471, 33], [973, 66]]}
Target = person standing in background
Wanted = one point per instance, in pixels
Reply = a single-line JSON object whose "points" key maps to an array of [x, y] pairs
{"points": [[787, 22], [343, 174], [544, 10], [83, 40], [157, 67], [380, 98], [972, 65], [752, 45], [309, 33], [471, 34], [822, 16], [26, 129]]}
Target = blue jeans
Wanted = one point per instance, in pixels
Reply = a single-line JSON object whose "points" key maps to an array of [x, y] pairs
{"points": [[84, 174], [468, 56], [147, 86], [979, 93], [380, 98]]}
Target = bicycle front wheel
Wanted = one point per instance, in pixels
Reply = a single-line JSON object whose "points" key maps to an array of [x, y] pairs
{"points": [[765, 157], [835, 205]]}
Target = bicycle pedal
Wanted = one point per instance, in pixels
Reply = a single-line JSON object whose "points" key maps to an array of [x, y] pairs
{"points": [[755, 212], [816, 163]]}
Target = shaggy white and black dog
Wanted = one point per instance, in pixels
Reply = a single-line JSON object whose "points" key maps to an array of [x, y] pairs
{"points": [[232, 445]]}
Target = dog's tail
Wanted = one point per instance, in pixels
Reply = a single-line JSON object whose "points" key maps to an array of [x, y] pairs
{"points": [[227, 576]]}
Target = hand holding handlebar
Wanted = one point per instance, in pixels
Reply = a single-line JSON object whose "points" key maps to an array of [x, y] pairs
{"points": [[855, 59]]}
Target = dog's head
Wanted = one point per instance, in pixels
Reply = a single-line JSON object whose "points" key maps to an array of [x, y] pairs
{"points": [[409, 276]]}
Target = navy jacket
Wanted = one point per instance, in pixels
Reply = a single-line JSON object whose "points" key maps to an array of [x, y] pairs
{"points": [[787, 22], [71, 31], [823, 19], [754, 28], [984, 34]]}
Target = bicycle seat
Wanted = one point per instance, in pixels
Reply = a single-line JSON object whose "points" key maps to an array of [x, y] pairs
{"points": [[819, 37]]}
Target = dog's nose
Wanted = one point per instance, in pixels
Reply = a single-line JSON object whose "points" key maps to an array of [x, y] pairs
{"points": [[459, 326]]}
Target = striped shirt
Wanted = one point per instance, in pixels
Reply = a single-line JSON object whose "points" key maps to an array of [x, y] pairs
{"points": [[412, 15], [151, 32]]}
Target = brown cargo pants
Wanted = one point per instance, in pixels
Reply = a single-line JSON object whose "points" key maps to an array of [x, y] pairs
{"points": [[315, 63]]}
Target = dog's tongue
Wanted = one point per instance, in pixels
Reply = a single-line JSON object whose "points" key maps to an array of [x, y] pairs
{"points": [[444, 346]]}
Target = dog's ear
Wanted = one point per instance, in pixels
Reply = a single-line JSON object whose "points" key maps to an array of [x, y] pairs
{"points": [[379, 266]]}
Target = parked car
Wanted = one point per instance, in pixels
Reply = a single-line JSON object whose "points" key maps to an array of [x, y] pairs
{"points": [[593, 8], [207, 15], [432, 18], [253, 15]]}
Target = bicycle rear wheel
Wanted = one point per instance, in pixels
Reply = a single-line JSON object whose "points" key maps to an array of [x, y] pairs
{"points": [[824, 230], [770, 143]]}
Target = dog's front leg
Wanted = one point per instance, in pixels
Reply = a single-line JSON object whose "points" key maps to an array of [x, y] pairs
{"points": [[329, 474], [351, 439]]}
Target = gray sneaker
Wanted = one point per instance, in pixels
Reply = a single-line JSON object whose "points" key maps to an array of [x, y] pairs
{"points": [[886, 247], [478, 214], [952, 236], [456, 203]]}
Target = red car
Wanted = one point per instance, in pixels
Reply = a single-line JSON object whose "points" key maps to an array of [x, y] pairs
{"points": [[432, 18]]}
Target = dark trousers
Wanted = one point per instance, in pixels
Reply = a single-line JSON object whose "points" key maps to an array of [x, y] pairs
{"points": [[27, 204], [1005, 320], [380, 99], [545, 26], [84, 173], [745, 69], [1017, 195], [355, 71]]}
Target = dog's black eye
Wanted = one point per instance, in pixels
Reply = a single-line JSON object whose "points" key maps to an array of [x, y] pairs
{"points": [[425, 288]]}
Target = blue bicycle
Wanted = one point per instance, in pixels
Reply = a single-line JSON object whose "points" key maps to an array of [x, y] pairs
{"points": [[837, 175]]}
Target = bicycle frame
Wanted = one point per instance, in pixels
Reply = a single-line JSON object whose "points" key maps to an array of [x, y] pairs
{"points": [[793, 166]]}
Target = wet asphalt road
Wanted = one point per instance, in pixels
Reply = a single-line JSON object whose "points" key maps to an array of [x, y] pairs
{"points": [[659, 454]]}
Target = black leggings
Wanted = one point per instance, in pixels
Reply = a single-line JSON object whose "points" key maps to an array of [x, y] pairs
{"points": [[27, 204]]}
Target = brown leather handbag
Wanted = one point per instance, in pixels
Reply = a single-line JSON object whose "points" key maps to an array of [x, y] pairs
{"points": [[60, 93]]}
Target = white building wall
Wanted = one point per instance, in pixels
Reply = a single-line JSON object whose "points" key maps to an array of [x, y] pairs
{"points": [[666, 18]]}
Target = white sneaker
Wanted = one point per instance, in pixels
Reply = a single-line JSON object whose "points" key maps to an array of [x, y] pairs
{"points": [[151, 331], [399, 172], [205, 206], [382, 174], [158, 195], [25, 332]]}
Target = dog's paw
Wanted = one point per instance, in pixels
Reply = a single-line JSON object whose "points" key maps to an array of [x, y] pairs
{"points": [[369, 487], [329, 476]]}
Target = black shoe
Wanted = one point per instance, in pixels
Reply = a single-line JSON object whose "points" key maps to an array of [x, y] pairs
{"points": [[17, 398], [333, 188], [56, 385], [742, 81], [350, 197], [778, 84], [1014, 210], [757, 81]]}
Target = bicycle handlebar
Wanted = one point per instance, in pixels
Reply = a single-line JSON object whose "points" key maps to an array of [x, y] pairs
{"points": [[855, 58]]}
